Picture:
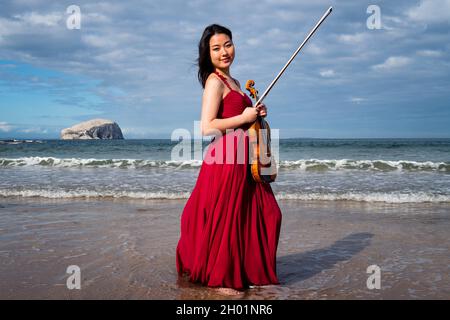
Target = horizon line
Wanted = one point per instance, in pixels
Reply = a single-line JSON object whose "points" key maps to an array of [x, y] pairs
{"points": [[330, 138]]}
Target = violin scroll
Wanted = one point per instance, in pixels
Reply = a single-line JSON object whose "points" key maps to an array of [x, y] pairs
{"points": [[249, 85]]}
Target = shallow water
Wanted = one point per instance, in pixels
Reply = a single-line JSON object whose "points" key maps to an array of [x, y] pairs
{"points": [[366, 170], [126, 250]]}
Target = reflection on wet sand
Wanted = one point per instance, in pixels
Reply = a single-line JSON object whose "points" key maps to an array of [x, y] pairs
{"points": [[126, 250]]}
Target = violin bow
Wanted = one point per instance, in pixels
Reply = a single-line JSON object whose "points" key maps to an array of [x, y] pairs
{"points": [[261, 98]]}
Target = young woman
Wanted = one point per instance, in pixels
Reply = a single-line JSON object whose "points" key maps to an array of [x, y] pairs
{"points": [[230, 224]]}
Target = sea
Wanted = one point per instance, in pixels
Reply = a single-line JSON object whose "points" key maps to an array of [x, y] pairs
{"points": [[369, 170]]}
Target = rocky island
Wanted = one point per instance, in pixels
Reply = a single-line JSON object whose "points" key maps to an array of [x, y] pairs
{"points": [[93, 129]]}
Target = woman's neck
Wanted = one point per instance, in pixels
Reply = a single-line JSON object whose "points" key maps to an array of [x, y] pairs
{"points": [[224, 71]]}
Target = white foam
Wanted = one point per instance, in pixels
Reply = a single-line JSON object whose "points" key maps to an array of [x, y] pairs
{"points": [[56, 194], [97, 163], [395, 197], [376, 165], [301, 164]]}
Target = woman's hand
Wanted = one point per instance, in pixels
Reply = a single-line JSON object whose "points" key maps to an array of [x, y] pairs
{"points": [[249, 114], [262, 109]]}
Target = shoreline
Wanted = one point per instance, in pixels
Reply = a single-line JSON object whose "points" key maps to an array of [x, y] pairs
{"points": [[379, 198], [125, 249]]}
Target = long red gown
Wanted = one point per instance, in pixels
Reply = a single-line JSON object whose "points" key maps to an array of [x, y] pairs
{"points": [[230, 224]]}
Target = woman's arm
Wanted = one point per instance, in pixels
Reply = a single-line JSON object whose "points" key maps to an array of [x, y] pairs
{"points": [[212, 96]]}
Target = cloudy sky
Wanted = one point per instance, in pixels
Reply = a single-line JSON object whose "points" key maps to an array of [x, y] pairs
{"points": [[134, 62]]}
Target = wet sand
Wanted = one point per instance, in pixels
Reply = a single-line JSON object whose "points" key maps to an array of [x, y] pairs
{"points": [[126, 250]]}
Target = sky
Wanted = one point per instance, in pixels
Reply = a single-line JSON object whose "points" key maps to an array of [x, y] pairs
{"points": [[367, 72]]}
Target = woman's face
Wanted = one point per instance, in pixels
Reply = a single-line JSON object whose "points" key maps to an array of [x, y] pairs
{"points": [[221, 49]]}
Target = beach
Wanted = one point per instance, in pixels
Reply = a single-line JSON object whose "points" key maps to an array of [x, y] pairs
{"points": [[116, 114], [125, 249], [112, 209]]}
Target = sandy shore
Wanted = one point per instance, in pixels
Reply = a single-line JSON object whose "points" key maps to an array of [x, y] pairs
{"points": [[126, 250]]}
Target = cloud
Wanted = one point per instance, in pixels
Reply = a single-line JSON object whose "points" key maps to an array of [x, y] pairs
{"points": [[36, 19], [134, 61], [97, 41], [143, 132], [329, 73], [5, 127], [33, 130], [254, 41], [315, 49], [430, 11], [430, 53], [392, 63], [353, 38], [357, 100]]}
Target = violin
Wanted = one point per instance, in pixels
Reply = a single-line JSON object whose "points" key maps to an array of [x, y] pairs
{"points": [[262, 164]]}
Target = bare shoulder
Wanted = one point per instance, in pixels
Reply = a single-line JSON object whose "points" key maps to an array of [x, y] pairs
{"points": [[214, 85], [213, 81], [235, 80]]}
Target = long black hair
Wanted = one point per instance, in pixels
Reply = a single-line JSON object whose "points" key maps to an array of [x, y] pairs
{"points": [[205, 66]]}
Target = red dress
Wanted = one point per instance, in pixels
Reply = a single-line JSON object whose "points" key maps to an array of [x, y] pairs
{"points": [[230, 224]]}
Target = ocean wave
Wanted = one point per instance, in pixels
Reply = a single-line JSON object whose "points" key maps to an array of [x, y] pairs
{"points": [[302, 164], [391, 197], [374, 165], [97, 163], [68, 194], [15, 141]]}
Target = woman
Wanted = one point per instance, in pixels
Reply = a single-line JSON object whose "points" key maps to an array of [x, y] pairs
{"points": [[230, 224]]}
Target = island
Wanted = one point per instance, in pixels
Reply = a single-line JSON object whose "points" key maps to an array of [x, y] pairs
{"points": [[93, 129]]}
